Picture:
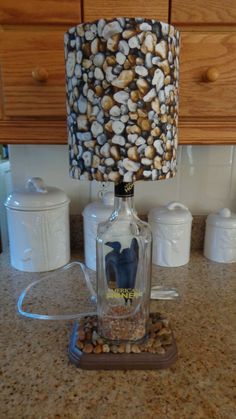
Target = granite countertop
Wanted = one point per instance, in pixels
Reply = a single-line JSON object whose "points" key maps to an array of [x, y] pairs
{"points": [[37, 380]]}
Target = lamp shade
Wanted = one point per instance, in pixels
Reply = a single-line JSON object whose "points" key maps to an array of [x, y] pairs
{"points": [[122, 99]]}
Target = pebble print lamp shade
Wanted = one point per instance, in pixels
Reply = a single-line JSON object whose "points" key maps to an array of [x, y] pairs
{"points": [[122, 99]]}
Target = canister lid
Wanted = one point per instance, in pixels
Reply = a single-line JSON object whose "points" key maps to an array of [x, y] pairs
{"points": [[172, 213], [223, 218], [100, 210], [36, 196]]}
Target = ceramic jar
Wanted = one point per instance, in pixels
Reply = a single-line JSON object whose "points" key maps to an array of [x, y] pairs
{"points": [[93, 214], [171, 230], [220, 236], [38, 227]]}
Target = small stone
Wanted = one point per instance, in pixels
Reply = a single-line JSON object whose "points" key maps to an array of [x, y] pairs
{"points": [[88, 348], [144, 124], [161, 49], [140, 141], [79, 57], [123, 47], [80, 344], [105, 348], [101, 139], [97, 349], [146, 162], [150, 95], [98, 59], [141, 70], [95, 161], [133, 153], [109, 74], [128, 177], [132, 105], [121, 97], [105, 150], [109, 161], [149, 43], [111, 29], [135, 349], [114, 349], [150, 152], [120, 58], [118, 139], [147, 173], [121, 348], [154, 174], [84, 136], [87, 157], [82, 123], [115, 111], [156, 132], [128, 33], [134, 42], [96, 129], [114, 176], [100, 26], [70, 64], [115, 152], [94, 46], [124, 79], [158, 147], [112, 43], [107, 103], [133, 129], [128, 348], [118, 127], [130, 165], [156, 105], [157, 162], [145, 27], [90, 144], [98, 74], [158, 79], [86, 63], [82, 104], [148, 60], [143, 86], [134, 95]]}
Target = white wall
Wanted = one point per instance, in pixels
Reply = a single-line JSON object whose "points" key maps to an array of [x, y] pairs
{"points": [[206, 179]]}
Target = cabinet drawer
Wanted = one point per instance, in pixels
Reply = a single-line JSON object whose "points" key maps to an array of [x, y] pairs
{"points": [[208, 75], [201, 11], [24, 93], [39, 11], [127, 8]]}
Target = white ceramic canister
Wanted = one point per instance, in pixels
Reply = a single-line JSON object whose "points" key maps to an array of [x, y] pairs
{"points": [[95, 213], [38, 226], [171, 230], [220, 236]]}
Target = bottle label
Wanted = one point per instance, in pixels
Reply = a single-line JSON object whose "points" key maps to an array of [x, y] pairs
{"points": [[124, 189]]}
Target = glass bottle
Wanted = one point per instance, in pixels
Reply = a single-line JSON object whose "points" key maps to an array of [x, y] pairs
{"points": [[123, 271]]}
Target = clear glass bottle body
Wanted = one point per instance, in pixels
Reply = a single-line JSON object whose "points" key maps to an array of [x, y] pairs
{"points": [[123, 274]]}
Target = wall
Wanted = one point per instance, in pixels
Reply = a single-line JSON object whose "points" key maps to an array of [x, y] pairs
{"points": [[206, 179]]}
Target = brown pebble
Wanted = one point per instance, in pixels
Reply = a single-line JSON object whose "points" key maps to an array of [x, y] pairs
{"points": [[97, 349], [88, 348], [121, 348], [135, 349], [80, 344]]}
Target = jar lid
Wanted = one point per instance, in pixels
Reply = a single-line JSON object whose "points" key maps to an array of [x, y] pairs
{"points": [[100, 209], [36, 196], [223, 218], [172, 213]]}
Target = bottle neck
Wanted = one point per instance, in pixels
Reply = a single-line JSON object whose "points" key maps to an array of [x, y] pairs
{"points": [[124, 202]]}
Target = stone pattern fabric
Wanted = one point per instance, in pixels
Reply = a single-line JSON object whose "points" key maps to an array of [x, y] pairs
{"points": [[122, 99]]}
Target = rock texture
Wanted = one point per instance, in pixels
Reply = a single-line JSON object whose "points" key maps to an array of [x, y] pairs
{"points": [[122, 79]]}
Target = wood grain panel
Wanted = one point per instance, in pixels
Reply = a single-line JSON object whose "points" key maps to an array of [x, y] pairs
{"points": [[33, 132], [21, 52], [201, 11], [39, 11], [95, 9], [199, 52], [207, 132]]}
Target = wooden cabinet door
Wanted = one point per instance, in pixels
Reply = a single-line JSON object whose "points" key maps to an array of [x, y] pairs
{"points": [[208, 75], [23, 55], [155, 9], [189, 12], [39, 11]]}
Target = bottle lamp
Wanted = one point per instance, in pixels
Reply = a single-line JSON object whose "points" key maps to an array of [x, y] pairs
{"points": [[122, 116]]}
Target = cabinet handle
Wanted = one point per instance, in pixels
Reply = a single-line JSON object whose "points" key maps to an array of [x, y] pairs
{"points": [[212, 74], [40, 74]]}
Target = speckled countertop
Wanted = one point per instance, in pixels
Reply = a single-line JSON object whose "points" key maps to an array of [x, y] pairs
{"points": [[37, 381]]}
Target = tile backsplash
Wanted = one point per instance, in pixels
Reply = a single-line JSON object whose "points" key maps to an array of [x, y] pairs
{"points": [[205, 182]]}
